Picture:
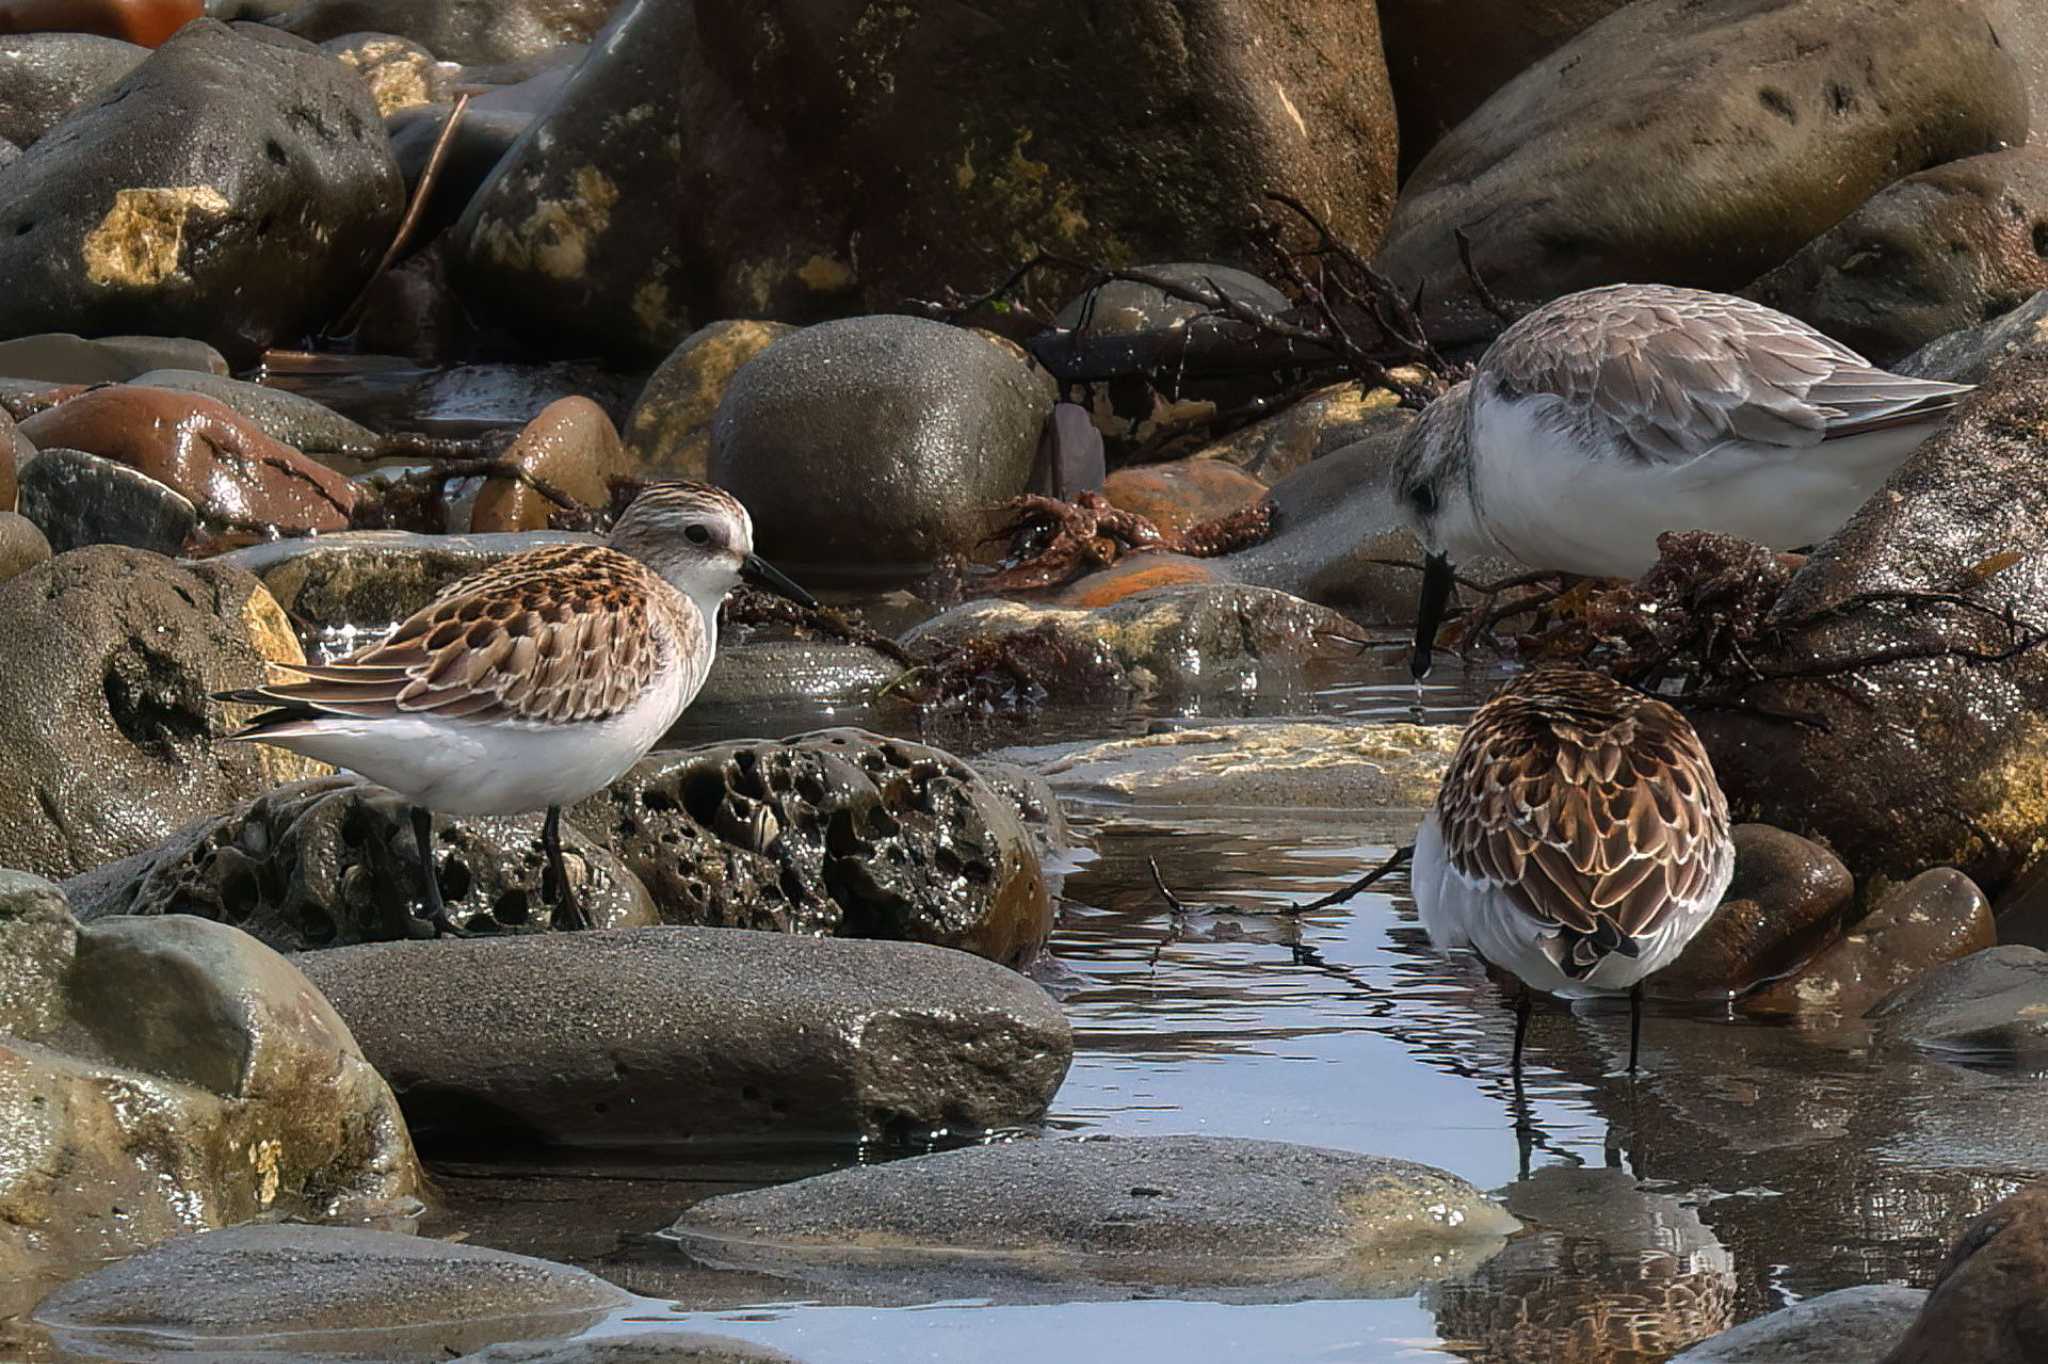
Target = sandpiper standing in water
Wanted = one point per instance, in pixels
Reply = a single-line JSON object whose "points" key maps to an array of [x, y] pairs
{"points": [[534, 682], [1579, 840], [1607, 417]]}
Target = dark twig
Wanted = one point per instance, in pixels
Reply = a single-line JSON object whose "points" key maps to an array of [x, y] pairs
{"points": [[430, 175], [1484, 291], [1399, 859]]}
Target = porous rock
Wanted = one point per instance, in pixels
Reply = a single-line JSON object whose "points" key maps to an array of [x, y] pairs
{"points": [[165, 1077], [1926, 256], [104, 713], [836, 832], [332, 861], [730, 1035], [1740, 132], [1178, 1214], [232, 187], [873, 445]]}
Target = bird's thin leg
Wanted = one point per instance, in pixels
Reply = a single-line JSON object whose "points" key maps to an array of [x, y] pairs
{"points": [[430, 884], [1523, 1004], [568, 907], [1635, 1024]]}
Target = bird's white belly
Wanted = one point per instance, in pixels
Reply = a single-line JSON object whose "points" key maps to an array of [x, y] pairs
{"points": [[1554, 505]]}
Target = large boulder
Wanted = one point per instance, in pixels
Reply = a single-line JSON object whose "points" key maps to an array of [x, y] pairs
{"points": [[163, 1077], [104, 709], [1990, 1302], [1931, 254], [785, 162], [466, 31], [44, 76], [1694, 144], [232, 187]]}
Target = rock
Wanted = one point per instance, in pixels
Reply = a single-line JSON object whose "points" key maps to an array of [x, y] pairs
{"points": [[233, 474], [2022, 28], [753, 677], [9, 153], [783, 139], [1962, 783], [1753, 151], [1847, 1326], [836, 832], [728, 1035], [1326, 420], [1204, 639], [493, 122], [45, 76], [639, 1347], [410, 311], [1176, 1215], [1444, 59], [573, 448], [1969, 357], [232, 188], [104, 714], [148, 23], [1990, 1007], [669, 431], [22, 546], [875, 445], [62, 358], [167, 1077], [1788, 893], [332, 861], [1990, 1303], [514, 394], [76, 499], [1605, 1268], [455, 30], [1258, 765], [400, 73], [1184, 493], [358, 1294], [1932, 254], [1938, 916], [286, 417]]}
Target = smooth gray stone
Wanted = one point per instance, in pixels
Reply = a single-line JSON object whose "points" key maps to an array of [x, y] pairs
{"points": [[62, 358], [1990, 1006], [1847, 1326], [282, 415], [80, 499]]}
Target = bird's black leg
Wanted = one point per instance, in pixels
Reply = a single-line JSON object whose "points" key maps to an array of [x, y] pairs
{"points": [[568, 909], [1635, 1024], [430, 884], [1523, 1004]]}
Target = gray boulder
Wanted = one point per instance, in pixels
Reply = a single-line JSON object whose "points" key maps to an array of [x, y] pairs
{"points": [[455, 30]]}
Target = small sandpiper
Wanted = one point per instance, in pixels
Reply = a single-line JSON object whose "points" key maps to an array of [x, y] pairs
{"points": [[1607, 417], [535, 682], [1579, 840]]}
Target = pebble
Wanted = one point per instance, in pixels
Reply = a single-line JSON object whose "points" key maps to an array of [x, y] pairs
{"points": [[1183, 493], [638, 1347], [571, 447], [62, 358]]}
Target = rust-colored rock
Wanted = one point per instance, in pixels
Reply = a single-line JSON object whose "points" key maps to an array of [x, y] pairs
{"points": [[1182, 494], [146, 22], [1787, 894], [1990, 1305], [1139, 573], [234, 474], [572, 449], [1938, 916]]}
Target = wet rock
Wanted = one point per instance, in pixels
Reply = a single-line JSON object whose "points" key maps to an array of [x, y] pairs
{"points": [[754, 676], [167, 1077], [1177, 1215], [104, 713], [1938, 916], [1969, 356], [456, 30], [232, 188], [287, 417], [400, 73], [1606, 1269], [1754, 151], [669, 431], [2022, 28], [332, 861], [76, 499], [1990, 1302], [45, 76], [875, 445], [1322, 422], [1962, 783], [730, 1035], [1257, 765], [22, 545], [1787, 894], [1184, 493], [836, 832], [358, 1294], [1137, 573], [1990, 1007], [62, 358], [2022, 912], [409, 310], [493, 122], [1929, 255], [572, 448], [1847, 1326], [1445, 59], [220, 461], [1205, 639], [639, 1347]]}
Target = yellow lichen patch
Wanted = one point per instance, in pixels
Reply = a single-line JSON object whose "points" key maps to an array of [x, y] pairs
{"points": [[139, 244], [395, 73], [825, 275], [264, 1156], [650, 307], [557, 236]]}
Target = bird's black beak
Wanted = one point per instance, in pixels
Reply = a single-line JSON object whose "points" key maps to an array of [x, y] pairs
{"points": [[760, 572], [1429, 614]]}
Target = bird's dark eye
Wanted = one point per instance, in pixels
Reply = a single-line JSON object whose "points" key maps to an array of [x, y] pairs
{"points": [[1424, 498], [699, 534]]}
